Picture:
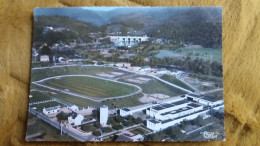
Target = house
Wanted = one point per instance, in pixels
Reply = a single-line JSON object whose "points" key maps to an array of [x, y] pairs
{"points": [[51, 110], [75, 119], [162, 71], [145, 68], [73, 108], [44, 58]]}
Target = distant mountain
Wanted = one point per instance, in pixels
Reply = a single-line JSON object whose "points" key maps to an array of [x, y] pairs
{"points": [[198, 25], [103, 17], [74, 13]]}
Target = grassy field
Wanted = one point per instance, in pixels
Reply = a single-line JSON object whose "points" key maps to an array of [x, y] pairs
{"points": [[204, 53], [155, 86], [50, 72], [38, 96], [49, 133], [217, 95], [81, 102], [92, 87], [175, 81]]}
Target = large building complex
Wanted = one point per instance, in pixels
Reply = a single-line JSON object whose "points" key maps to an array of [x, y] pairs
{"points": [[170, 112], [117, 39]]}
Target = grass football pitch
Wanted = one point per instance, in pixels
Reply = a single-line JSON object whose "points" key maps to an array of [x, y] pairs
{"points": [[92, 87]]}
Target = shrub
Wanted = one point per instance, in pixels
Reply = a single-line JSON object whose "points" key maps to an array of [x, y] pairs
{"points": [[97, 124], [138, 120], [96, 133], [117, 126], [88, 128], [106, 129], [119, 118]]}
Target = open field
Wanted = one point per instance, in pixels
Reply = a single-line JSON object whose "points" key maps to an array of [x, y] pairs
{"points": [[49, 133], [81, 102], [205, 53], [175, 81], [155, 86], [38, 74], [89, 86], [38, 96], [217, 95]]}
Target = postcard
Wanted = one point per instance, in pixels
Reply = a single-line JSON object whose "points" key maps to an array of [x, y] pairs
{"points": [[126, 74]]}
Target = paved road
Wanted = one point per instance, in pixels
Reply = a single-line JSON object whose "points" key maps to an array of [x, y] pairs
{"points": [[64, 129], [214, 90], [84, 96]]}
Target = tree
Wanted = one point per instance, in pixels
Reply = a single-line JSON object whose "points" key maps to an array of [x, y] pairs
{"points": [[128, 123], [130, 117], [119, 118], [95, 113], [46, 50], [97, 124], [106, 129], [96, 133], [62, 116], [123, 30], [88, 128], [117, 126], [138, 120]]}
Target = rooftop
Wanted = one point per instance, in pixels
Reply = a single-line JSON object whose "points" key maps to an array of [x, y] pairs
{"points": [[154, 121], [126, 109], [193, 105], [179, 102], [73, 115]]}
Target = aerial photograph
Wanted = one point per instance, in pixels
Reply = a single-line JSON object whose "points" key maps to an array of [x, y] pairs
{"points": [[126, 74]]}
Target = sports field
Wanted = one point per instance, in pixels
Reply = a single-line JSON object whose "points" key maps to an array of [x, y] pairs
{"points": [[91, 87]]}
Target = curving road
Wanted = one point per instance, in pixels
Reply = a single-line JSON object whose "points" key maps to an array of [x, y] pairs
{"points": [[84, 96]]}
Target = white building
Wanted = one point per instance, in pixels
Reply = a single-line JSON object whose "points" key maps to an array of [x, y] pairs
{"points": [[116, 39], [51, 110], [103, 116], [73, 108], [75, 119], [158, 125], [162, 71], [171, 113], [44, 58], [203, 99]]}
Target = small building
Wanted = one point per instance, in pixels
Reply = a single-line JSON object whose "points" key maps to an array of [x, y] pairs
{"points": [[75, 119], [125, 112], [103, 116], [145, 68], [73, 108], [44, 58], [162, 71], [51, 110]]}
